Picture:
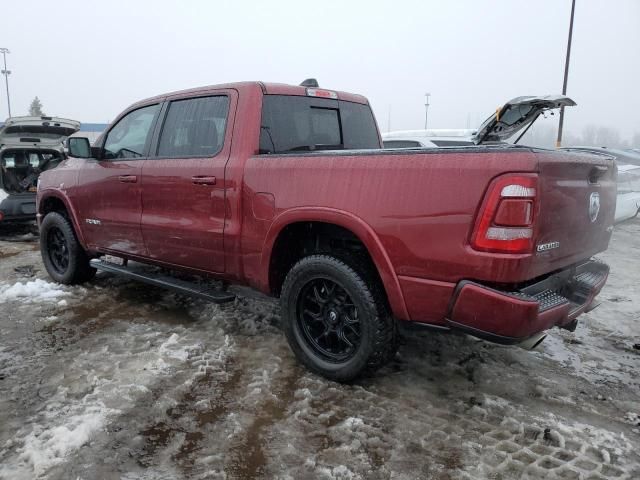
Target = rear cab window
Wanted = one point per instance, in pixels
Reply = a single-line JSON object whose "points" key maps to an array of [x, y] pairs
{"points": [[302, 124]]}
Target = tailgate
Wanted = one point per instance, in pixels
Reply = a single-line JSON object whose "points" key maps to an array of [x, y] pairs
{"points": [[577, 205]]}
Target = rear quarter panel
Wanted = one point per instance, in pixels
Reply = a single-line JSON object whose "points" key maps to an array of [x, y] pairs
{"points": [[421, 206]]}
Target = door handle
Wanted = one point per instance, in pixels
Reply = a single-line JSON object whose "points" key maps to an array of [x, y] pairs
{"points": [[128, 178], [198, 180]]}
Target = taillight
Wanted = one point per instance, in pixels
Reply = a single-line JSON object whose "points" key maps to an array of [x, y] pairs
{"points": [[506, 222]]}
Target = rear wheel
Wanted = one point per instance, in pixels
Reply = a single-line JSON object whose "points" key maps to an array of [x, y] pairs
{"points": [[63, 256], [334, 321]]}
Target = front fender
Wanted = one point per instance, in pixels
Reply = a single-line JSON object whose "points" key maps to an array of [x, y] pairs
{"points": [[61, 196], [350, 222]]}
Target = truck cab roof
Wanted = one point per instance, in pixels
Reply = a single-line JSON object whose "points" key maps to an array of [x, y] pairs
{"points": [[265, 87]]}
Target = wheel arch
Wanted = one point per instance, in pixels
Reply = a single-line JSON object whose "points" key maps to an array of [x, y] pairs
{"points": [[349, 222], [55, 201]]}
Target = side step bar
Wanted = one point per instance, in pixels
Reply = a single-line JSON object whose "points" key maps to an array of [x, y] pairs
{"points": [[148, 275]]}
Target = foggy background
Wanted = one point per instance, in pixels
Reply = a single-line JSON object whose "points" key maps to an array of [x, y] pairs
{"points": [[88, 61]]}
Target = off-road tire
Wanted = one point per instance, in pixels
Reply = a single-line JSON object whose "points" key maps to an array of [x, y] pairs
{"points": [[78, 269], [378, 340]]}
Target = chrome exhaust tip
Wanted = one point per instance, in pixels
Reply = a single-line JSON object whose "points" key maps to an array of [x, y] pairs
{"points": [[532, 342]]}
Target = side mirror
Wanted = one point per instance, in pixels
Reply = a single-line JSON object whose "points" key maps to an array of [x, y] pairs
{"points": [[79, 147]]}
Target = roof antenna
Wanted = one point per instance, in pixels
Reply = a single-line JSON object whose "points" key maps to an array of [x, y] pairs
{"points": [[310, 82]]}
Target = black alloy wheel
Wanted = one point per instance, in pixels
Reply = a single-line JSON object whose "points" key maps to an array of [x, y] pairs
{"points": [[336, 318], [329, 320], [63, 256], [58, 250]]}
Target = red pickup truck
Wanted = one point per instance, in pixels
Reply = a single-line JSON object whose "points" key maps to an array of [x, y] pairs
{"points": [[286, 189]]}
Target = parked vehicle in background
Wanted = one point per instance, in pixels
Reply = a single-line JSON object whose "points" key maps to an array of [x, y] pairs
{"points": [[287, 189], [427, 138], [628, 199], [622, 157], [628, 162], [515, 116], [28, 147]]}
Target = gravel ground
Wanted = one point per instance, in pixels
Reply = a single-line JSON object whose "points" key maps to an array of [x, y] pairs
{"points": [[121, 380]]}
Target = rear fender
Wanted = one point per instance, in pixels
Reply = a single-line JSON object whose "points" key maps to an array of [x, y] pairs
{"points": [[352, 223]]}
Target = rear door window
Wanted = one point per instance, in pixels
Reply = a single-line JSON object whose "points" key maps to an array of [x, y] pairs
{"points": [[194, 127]]}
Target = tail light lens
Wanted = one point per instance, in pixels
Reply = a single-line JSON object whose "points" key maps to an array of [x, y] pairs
{"points": [[506, 221]]}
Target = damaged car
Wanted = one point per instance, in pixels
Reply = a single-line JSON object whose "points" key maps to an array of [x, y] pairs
{"points": [[28, 147]]}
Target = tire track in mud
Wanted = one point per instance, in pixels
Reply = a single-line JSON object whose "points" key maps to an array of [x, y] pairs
{"points": [[184, 418], [249, 455], [205, 414]]}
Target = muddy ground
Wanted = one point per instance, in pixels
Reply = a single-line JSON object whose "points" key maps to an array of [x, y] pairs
{"points": [[119, 380]]}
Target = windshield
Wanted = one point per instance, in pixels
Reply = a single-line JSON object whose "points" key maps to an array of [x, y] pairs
{"points": [[295, 124]]}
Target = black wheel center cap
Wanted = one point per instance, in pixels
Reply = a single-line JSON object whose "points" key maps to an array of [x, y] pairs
{"points": [[332, 317]]}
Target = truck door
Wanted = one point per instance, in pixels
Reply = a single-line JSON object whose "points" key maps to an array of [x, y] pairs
{"points": [[183, 182], [108, 195]]}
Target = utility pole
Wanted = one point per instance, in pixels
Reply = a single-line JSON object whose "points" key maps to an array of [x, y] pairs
{"points": [[566, 74], [6, 74], [426, 109]]}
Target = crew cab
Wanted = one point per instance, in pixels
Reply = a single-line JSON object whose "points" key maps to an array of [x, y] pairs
{"points": [[286, 189]]}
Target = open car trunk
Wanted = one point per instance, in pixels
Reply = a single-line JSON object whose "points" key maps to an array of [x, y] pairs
{"points": [[28, 147], [20, 168]]}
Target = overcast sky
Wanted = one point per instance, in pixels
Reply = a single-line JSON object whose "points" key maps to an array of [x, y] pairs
{"points": [[88, 60]]}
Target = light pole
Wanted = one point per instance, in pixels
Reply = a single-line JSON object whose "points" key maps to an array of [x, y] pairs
{"points": [[566, 75], [426, 109], [6, 74]]}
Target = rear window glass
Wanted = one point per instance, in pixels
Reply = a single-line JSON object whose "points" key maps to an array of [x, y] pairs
{"points": [[296, 123], [194, 127]]}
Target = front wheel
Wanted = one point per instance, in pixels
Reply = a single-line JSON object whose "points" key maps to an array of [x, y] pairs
{"points": [[335, 323], [62, 255]]}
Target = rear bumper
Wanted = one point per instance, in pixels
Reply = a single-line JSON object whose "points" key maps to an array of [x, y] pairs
{"points": [[512, 316], [18, 207]]}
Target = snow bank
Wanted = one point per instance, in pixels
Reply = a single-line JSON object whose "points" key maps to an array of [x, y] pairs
{"points": [[34, 291]]}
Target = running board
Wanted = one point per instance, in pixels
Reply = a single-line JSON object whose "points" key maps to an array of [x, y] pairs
{"points": [[144, 274]]}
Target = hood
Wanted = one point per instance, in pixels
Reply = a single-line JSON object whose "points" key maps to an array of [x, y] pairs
{"points": [[517, 114], [36, 131]]}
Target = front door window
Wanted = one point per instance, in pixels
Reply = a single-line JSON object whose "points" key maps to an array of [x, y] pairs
{"points": [[128, 138]]}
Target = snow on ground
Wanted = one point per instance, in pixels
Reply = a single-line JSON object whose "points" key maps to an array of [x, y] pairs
{"points": [[33, 291], [127, 381]]}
